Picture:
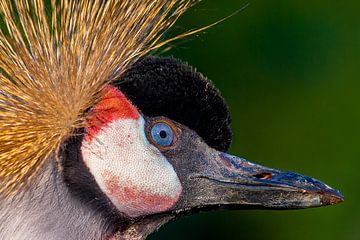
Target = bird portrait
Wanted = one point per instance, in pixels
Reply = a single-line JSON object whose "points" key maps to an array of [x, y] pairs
{"points": [[102, 139]]}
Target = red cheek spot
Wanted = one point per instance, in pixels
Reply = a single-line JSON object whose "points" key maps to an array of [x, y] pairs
{"points": [[113, 105], [134, 201]]}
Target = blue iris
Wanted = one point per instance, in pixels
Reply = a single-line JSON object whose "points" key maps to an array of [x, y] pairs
{"points": [[162, 134]]}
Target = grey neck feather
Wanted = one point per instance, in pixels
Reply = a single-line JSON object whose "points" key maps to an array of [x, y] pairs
{"points": [[46, 210]]}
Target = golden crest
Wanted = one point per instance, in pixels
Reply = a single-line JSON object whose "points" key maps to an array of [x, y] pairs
{"points": [[55, 58]]}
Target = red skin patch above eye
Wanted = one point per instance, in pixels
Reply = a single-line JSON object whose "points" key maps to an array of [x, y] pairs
{"points": [[136, 202], [113, 105]]}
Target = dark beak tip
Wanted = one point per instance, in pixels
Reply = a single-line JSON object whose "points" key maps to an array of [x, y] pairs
{"points": [[331, 198]]}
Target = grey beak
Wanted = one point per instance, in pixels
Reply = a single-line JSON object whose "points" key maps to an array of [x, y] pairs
{"points": [[229, 181]]}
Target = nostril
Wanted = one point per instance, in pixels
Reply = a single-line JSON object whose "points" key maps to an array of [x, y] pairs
{"points": [[264, 176]]}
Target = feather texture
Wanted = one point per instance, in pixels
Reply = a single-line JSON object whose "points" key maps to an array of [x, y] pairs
{"points": [[55, 59]]}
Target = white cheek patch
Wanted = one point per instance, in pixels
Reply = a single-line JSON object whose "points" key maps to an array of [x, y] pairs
{"points": [[133, 174]]}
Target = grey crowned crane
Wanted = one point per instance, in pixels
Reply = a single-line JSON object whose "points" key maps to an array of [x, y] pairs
{"points": [[100, 142]]}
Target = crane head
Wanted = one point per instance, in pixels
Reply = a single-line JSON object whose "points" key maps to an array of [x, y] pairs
{"points": [[159, 149]]}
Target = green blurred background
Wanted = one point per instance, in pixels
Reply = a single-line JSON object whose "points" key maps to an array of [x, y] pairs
{"points": [[290, 72]]}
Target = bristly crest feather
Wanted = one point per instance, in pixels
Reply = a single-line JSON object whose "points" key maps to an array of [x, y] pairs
{"points": [[54, 62]]}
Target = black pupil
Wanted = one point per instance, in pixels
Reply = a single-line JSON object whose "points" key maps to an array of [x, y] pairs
{"points": [[163, 134]]}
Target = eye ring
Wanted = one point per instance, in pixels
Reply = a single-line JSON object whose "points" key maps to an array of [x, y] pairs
{"points": [[162, 133]]}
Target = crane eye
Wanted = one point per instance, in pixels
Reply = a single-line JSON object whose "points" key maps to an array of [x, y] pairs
{"points": [[162, 134]]}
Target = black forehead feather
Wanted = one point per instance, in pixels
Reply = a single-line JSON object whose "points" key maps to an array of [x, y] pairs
{"points": [[167, 87]]}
